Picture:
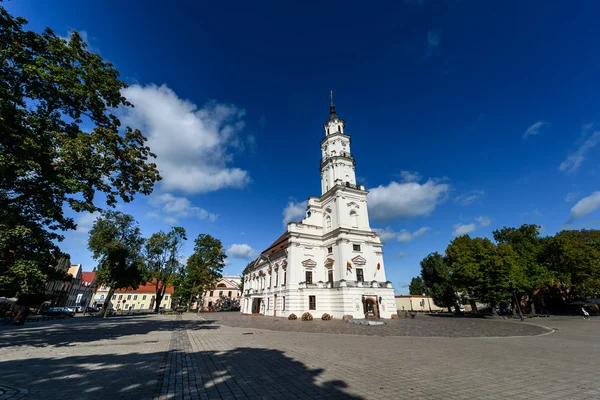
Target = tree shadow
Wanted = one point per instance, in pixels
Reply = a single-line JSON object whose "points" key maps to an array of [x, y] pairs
{"points": [[62, 333], [241, 373]]}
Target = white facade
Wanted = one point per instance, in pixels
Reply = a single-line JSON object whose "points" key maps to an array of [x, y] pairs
{"points": [[330, 262], [80, 291]]}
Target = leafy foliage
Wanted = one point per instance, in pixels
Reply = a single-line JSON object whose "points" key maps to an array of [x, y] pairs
{"points": [[161, 256], [417, 286], [48, 86], [204, 266], [116, 242], [437, 279]]}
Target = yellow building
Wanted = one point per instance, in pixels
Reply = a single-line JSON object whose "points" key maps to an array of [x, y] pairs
{"points": [[142, 298], [417, 303], [225, 294]]}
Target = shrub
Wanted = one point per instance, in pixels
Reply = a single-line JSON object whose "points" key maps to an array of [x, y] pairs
{"points": [[307, 316], [326, 317], [292, 316]]}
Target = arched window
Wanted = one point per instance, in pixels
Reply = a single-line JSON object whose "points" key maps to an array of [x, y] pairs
{"points": [[221, 285], [327, 223], [354, 219]]}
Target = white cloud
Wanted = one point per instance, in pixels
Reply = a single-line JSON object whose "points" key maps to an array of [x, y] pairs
{"points": [[406, 236], [85, 221], [585, 206], [400, 254], [410, 176], [408, 199], [534, 129], [483, 221], [194, 146], [574, 160], [469, 198], [433, 39], [243, 251], [294, 211], [461, 229], [571, 196], [177, 207], [386, 234], [86, 38]]}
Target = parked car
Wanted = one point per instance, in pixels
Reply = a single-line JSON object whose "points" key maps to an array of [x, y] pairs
{"points": [[79, 309], [59, 311], [92, 310]]}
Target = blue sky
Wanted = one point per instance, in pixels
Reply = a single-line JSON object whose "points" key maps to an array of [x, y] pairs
{"points": [[465, 116]]}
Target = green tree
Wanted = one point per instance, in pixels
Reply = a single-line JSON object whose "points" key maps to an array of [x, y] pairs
{"points": [[48, 88], [481, 270], [204, 266], [417, 286], [533, 273], [574, 257], [161, 255], [438, 280], [116, 242]]}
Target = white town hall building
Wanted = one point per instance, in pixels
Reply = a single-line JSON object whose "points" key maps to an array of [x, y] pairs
{"points": [[330, 262]]}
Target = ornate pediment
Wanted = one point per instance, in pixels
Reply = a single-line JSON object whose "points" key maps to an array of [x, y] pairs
{"points": [[353, 204], [359, 260], [309, 263], [329, 262]]}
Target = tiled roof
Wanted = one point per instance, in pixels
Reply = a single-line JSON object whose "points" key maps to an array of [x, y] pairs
{"points": [[88, 277], [146, 288], [278, 245]]}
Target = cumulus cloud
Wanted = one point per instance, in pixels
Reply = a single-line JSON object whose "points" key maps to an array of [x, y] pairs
{"points": [[194, 146], [410, 176], [469, 198], [574, 159], [86, 38], [406, 236], [483, 221], [407, 199], [534, 129], [243, 251], [85, 221], [400, 254], [571, 197], [386, 234], [174, 207], [294, 211], [585, 206], [462, 229]]}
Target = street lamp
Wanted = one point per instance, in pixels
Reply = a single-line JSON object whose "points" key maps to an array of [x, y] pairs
{"points": [[517, 303]]}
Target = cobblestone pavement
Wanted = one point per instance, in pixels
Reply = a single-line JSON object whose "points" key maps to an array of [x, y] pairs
{"points": [[194, 357], [435, 325]]}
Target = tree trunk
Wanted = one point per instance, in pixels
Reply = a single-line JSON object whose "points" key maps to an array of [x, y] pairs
{"points": [[532, 312], [107, 302], [189, 303], [473, 306]]}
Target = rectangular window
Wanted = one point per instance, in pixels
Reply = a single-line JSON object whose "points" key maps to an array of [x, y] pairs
{"points": [[135, 297], [356, 247], [359, 275], [211, 294], [270, 280], [229, 294], [330, 276], [330, 250], [166, 297], [220, 293], [120, 297], [128, 297], [144, 297], [284, 277], [132, 306], [114, 297], [309, 277], [283, 304], [312, 302], [276, 279]]}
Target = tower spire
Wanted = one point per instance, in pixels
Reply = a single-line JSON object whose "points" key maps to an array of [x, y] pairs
{"points": [[332, 113]]}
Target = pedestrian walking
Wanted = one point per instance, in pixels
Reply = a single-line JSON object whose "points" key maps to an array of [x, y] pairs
{"points": [[586, 315], [23, 316]]}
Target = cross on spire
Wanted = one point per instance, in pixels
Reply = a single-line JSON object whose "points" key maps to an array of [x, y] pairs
{"points": [[331, 97], [332, 113]]}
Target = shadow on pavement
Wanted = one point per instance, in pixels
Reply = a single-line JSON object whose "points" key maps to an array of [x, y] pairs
{"points": [[80, 330], [241, 373]]}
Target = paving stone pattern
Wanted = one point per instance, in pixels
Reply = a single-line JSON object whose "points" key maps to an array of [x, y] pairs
{"points": [[12, 393], [200, 357]]}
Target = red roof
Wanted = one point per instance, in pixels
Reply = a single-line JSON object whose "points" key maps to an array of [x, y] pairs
{"points": [[88, 277], [146, 288]]}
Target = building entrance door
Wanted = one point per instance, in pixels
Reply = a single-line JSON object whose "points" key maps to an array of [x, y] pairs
{"points": [[275, 305], [371, 309]]}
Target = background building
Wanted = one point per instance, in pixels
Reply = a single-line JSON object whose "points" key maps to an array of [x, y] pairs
{"points": [[142, 298], [225, 295], [80, 291]]}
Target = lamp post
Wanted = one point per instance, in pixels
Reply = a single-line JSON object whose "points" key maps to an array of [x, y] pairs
{"points": [[518, 305]]}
